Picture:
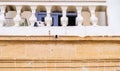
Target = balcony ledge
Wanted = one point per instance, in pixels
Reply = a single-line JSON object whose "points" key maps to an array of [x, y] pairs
{"points": [[61, 33]]}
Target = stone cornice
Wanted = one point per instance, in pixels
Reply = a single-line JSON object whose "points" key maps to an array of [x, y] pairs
{"points": [[60, 61], [60, 38]]}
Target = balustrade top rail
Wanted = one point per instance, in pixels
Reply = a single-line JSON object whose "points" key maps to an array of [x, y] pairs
{"points": [[52, 0], [56, 3]]}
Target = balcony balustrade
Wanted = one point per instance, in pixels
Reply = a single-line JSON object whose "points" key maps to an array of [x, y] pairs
{"points": [[57, 18]]}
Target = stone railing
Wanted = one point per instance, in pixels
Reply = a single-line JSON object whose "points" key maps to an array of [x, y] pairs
{"points": [[78, 30]]}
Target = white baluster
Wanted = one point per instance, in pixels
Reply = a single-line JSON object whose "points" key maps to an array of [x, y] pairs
{"points": [[48, 18], [79, 19], [93, 17], [33, 18], [2, 16], [17, 18], [64, 19]]}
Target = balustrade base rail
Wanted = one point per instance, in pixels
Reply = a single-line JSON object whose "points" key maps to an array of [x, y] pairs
{"points": [[61, 31]]}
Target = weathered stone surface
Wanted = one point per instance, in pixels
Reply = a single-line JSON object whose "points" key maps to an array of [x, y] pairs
{"points": [[93, 53]]}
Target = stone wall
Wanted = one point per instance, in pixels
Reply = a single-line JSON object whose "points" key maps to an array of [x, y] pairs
{"points": [[59, 55], [59, 50]]}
